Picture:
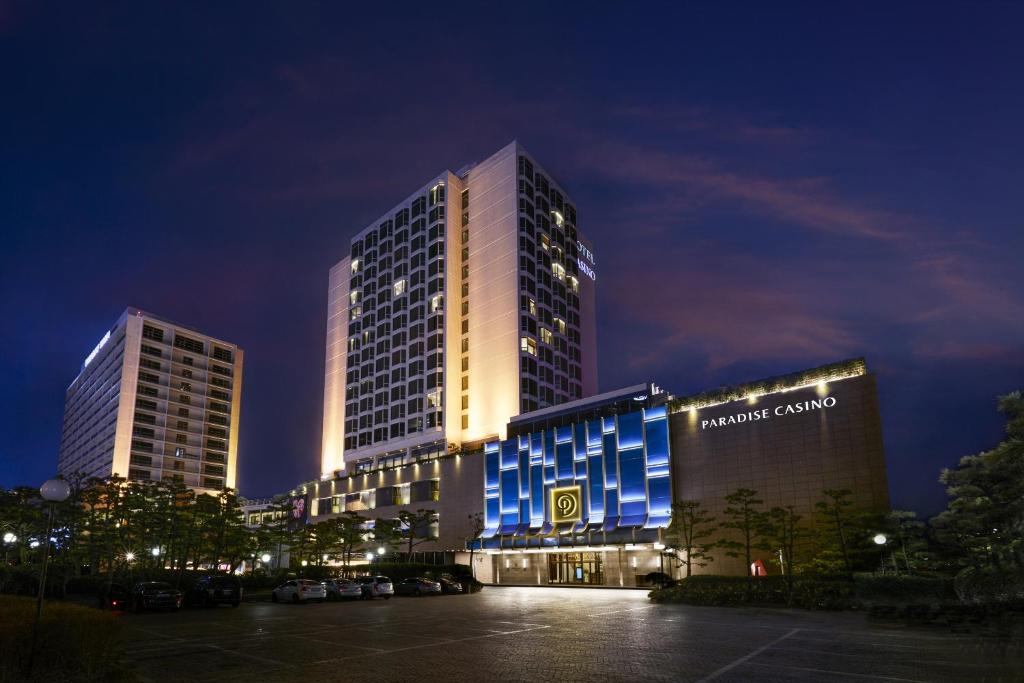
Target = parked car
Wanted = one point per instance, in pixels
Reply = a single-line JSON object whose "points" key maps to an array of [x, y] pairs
{"points": [[418, 586], [342, 588], [374, 586], [214, 589], [117, 597], [299, 590], [450, 586], [155, 595]]}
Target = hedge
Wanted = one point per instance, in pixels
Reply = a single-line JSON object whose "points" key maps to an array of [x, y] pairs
{"points": [[76, 643], [809, 592]]}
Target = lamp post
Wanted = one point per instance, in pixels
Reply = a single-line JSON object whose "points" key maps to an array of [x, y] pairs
{"points": [[9, 539], [880, 540], [53, 491]]}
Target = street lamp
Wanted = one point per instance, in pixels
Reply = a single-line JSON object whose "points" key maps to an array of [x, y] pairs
{"points": [[129, 557], [10, 538], [265, 558], [53, 491], [155, 552], [879, 539], [380, 551]]}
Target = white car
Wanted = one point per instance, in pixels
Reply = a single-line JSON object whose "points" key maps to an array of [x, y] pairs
{"points": [[299, 590], [342, 588], [376, 586]]}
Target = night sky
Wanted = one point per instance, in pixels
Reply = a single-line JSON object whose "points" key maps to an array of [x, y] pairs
{"points": [[767, 189]]}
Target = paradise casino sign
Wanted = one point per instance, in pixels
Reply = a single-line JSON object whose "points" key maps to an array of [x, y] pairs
{"points": [[783, 410]]}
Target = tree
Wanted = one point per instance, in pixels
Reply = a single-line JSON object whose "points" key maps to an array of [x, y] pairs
{"points": [[349, 533], [476, 525], [983, 524], [783, 531], [415, 527], [744, 516], [688, 532], [908, 536], [387, 532], [836, 512]]}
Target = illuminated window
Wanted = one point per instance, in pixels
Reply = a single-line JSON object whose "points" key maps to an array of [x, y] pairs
{"points": [[545, 242], [560, 324], [529, 345], [533, 307], [356, 312], [559, 270], [399, 288], [353, 296], [559, 219], [545, 335], [434, 399], [574, 284], [435, 303], [355, 265]]}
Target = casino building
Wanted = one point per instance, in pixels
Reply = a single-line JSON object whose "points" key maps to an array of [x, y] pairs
{"points": [[578, 498]]}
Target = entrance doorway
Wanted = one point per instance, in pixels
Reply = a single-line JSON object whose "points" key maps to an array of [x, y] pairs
{"points": [[575, 568]]}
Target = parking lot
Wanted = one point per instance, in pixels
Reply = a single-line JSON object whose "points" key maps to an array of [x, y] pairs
{"points": [[550, 634]]}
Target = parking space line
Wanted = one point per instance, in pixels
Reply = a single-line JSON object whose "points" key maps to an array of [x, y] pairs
{"points": [[265, 660], [873, 677], [732, 665]]}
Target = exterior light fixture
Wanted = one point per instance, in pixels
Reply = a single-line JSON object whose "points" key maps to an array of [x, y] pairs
{"points": [[380, 550], [33, 544], [879, 539], [305, 563], [129, 556], [659, 546], [10, 538], [265, 557], [155, 552]]}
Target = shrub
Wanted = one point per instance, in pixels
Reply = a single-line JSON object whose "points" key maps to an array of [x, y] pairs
{"points": [[733, 591], [75, 643], [902, 590], [989, 587]]}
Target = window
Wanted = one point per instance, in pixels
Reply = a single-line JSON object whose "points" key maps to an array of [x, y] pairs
{"points": [[545, 335], [529, 345], [222, 354], [187, 360], [153, 333], [188, 344], [435, 303], [399, 288]]}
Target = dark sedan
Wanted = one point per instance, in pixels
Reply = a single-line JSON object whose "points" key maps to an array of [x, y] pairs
{"points": [[156, 595], [216, 589], [418, 586], [450, 586]]}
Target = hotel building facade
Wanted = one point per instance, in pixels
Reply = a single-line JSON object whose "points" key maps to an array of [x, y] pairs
{"points": [[469, 302], [155, 401]]}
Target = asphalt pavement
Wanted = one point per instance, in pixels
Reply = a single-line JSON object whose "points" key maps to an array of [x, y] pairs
{"points": [[551, 634]]}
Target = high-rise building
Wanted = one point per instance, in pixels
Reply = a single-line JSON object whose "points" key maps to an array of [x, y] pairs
{"points": [[467, 303], [155, 401]]}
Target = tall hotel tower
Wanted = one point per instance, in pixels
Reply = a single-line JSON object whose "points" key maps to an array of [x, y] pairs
{"points": [[469, 302], [155, 401]]}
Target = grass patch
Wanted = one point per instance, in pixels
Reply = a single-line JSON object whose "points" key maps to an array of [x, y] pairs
{"points": [[75, 643]]}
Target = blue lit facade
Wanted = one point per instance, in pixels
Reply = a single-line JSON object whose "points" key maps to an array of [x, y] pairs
{"points": [[620, 462]]}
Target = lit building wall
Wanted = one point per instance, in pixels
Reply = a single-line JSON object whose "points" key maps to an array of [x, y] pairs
{"points": [[155, 401], [332, 456], [619, 463], [493, 282], [466, 307]]}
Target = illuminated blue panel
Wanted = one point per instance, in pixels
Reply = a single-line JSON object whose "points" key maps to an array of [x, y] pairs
{"points": [[631, 473], [657, 443], [563, 462], [492, 467], [611, 476], [524, 473], [537, 448], [580, 442], [594, 434], [509, 497], [549, 448], [536, 495], [509, 454], [631, 431], [492, 516], [659, 502], [655, 413]]}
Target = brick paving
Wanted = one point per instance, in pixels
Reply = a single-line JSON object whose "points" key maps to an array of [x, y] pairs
{"points": [[551, 634]]}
